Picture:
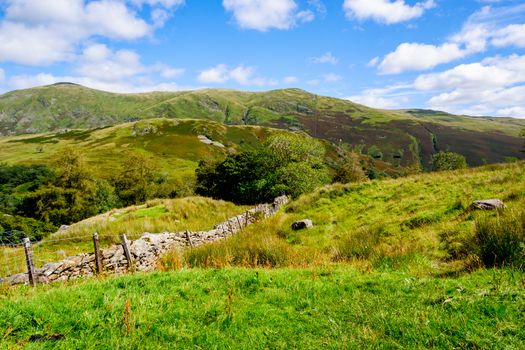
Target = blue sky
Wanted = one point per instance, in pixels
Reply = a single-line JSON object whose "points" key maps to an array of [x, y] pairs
{"points": [[457, 56]]}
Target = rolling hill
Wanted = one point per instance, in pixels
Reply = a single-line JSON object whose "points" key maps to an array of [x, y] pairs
{"points": [[401, 137]]}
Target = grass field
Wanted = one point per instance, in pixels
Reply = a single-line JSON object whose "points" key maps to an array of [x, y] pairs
{"points": [[326, 307], [420, 223]]}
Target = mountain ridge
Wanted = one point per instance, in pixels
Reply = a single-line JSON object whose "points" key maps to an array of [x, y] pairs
{"points": [[401, 137]]}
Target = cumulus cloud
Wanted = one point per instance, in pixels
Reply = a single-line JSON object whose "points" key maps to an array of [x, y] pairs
{"points": [[387, 98], [485, 28], [27, 81], [385, 11], [415, 57], [100, 67], [325, 58], [242, 75], [263, 15], [36, 32], [495, 85]]}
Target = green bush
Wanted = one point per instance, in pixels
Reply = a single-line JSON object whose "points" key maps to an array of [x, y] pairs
{"points": [[448, 161], [501, 239]]}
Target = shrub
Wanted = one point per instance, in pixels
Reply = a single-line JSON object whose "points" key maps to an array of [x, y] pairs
{"points": [[501, 239], [448, 161]]}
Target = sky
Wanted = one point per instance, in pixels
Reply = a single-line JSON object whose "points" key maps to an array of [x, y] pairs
{"points": [[458, 56]]}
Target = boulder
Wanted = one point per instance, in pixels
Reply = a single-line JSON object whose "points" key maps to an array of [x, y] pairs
{"points": [[488, 204], [302, 224]]}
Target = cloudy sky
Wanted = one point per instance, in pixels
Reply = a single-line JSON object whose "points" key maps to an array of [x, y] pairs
{"points": [[460, 56]]}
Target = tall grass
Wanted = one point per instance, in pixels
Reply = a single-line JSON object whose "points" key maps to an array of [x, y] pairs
{"points": [[501, 239]]}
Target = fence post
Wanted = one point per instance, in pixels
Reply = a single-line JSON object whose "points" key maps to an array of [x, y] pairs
{"points": [[126, 251], [7, 263], [188, 238], [98, 262], [246, 216], [29, 261]]}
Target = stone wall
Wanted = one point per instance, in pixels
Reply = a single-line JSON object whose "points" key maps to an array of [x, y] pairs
{"points": [[145, 251]]}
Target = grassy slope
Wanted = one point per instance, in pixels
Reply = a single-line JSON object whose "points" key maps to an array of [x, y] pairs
{"points": [[173, 143], [412, 135], [277, 309], [388, 224]]}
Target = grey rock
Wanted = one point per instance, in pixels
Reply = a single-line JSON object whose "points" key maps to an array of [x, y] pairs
{"points": [[302, 224], [488, 204]]}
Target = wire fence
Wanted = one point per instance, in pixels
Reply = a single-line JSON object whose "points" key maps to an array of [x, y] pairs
{"points": [[52, 249]]}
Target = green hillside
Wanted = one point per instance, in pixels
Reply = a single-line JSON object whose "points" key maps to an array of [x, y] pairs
{"points": [[421, 223], [175, 144], [398, 137]]}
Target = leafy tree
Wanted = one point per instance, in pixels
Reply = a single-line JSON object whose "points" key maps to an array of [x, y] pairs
{"points": [[16, 180], [74, 194], [137, 179], [14, 228], [448, 161], [288, 164]]}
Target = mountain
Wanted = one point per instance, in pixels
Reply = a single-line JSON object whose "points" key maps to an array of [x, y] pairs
{"points": [[400, 137]]}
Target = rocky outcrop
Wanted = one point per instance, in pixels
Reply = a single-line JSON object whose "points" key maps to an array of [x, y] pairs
{"points": [[144, 251], [488, 204]]}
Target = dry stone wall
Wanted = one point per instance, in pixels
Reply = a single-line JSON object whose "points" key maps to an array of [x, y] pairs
{"points": [[145, 251]]}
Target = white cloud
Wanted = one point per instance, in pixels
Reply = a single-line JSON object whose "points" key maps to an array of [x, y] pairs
{"points": [[325, 58], [36, 32], [170, 73], [385, 11], [290, 79], [512, 35], [373, 62], [386, 98], [495, 86], [214, 75], [101, 68], [332, 78], [263, 15], [242, 75], [164, 3], [2, 75], [27, 81], [414, 57], [486, 27]]}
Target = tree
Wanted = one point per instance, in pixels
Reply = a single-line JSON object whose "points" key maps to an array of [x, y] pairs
{"points": [[287, 164], [448, 161], [73, 195], [137, 179]]}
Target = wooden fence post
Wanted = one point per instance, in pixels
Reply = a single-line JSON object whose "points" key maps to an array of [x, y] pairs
{"points": [[126, 251], [29, 261], [98, 262], [188, 238]]}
